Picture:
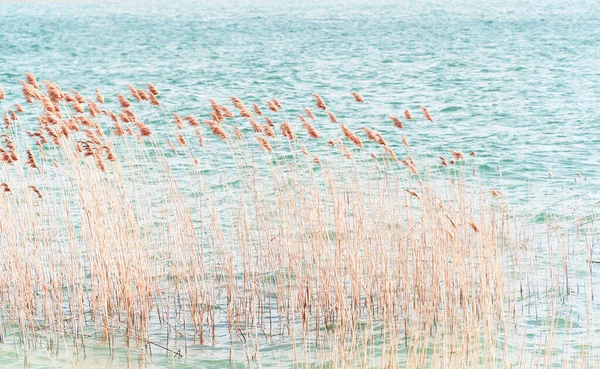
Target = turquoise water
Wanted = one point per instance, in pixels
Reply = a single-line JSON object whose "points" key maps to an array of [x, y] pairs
{"points": [[517, 82]]}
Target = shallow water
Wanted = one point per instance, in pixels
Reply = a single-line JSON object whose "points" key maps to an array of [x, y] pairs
{"points": [[515, 81]]}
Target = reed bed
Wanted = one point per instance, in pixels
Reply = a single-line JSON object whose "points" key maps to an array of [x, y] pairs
{"points": [[250, 224]]}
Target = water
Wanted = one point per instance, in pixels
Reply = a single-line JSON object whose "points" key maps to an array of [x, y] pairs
{"points": [[515, 81]]}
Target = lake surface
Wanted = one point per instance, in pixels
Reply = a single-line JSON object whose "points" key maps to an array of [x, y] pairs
{"points": [[518, 82]]}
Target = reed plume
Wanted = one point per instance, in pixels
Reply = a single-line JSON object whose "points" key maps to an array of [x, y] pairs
{"points": [[217, 130], [351, 136], [180, 139], [2, 93], [153, 100], [123, 101], [408, 115], [191, 120], [257, 110], [410, 165], [178, 121], [390, 152], [312, 132], [405, 141], [332, 117], [397, 122], [457, 155], [426, 113], [31, 80], [309, 113], [320, 102], [286, 130], [199, 136], [36, 191], [371, 135], [264, 143], [238, 133], [357, 97], [153, 90], [134, 92], [99, 97], [272, 106], [144, 129]]}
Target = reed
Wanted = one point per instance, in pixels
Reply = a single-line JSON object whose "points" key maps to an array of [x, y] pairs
{"points": [[350, 255]]}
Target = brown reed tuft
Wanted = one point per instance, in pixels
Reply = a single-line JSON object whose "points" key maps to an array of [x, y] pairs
{"points": [[320, 103], [5, 156], [457, 155], [19, 108], [80, 99], [7, 121], [344, 150], [473, 226], [473, 154], [426, 113], [153, 90], [408, 115], [5, 187], [351, 136], [178, 121], [268, 130], [118, 129], [238, 133], [269, 121], [191, 120], [110, 156], [357, 97], [443, 161], [226, 112], [309, 113], [29, 92], [99, 97], [257, 110], [495, 193], [143, 94], [180, 139], [255, 127], [31, 80], [396, 121], [264, 143], [144, 130], [390, 152], [332, 117], [153, 100], [2, 93], [286, 130], [371, 135], [272, 107], [277, 103], [123, 101], [217, 130], [381, 140], [413, 194], [312, 132], [199, 135], [134, 92], [410, 165], [405, 141], [36, 191]]}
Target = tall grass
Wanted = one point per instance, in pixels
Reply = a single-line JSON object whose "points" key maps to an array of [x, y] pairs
{"points": [[123, 221]]}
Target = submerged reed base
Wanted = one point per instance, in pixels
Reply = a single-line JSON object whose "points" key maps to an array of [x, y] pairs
{"points": [[159, 232]]}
